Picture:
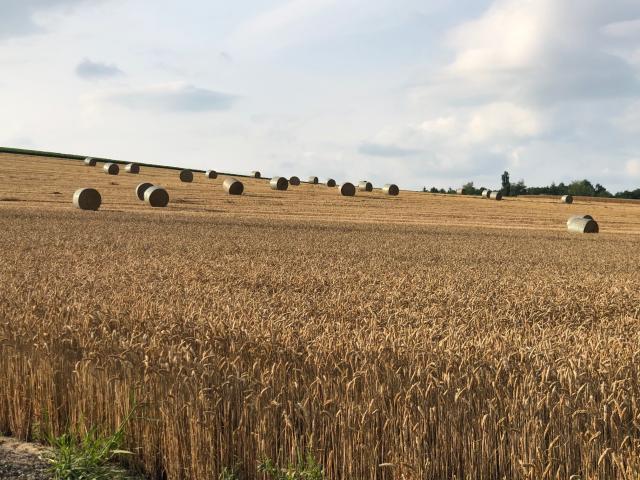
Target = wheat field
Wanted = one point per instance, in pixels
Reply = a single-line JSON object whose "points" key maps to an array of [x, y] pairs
{"points": [[416, 337]]}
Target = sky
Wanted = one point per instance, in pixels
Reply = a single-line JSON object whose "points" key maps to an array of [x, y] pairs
{"points": [[413, 92]]}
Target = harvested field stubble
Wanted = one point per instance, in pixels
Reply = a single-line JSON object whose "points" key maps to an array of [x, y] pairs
{"points": [[458, 365]]}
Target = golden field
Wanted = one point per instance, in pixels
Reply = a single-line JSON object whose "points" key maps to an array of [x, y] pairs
{"points": [[418, 337]]}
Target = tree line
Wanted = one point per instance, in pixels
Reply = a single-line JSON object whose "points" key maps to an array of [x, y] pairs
{"points": [[578, 188]]}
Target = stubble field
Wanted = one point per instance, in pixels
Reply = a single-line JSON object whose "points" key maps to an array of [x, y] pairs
{"points": [[422, 336]]}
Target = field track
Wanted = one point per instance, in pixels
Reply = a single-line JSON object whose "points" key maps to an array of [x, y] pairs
{"points": [[418, 337]]}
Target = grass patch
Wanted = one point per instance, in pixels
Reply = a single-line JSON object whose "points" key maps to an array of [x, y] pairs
{"points": [[89, 457], [306, 467]]}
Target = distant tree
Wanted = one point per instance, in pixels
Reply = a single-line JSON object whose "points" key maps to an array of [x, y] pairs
{"points": [[519, 188], [633, 194], [562, 189], [433, 190], [442, 190], [582, 188], [469, 189], [506, 184], [601, 191]]}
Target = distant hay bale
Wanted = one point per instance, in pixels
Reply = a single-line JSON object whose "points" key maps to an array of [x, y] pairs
{"points": [[232, 186], [566, 199], [87, 199], [495, 195], [578, 217], [295, 181], [186, 176], [132, 168], [331, 182], [279, 183], [391, 189], [90, 162], [156, 196], [111, 169], [365, 186], [582, 225], [460, 191], [485, 193], [313, 180], [141, 188], [347, 189], [256, 174], [211, 174]]}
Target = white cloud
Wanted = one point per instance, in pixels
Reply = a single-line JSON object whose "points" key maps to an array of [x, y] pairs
{"points": [[502, 121], [169, 97], [534, 51], [625, 29], [633, 168], [90, 70], [20, 17]]}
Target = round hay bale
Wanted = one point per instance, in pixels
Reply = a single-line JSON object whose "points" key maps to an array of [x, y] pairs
{"points": [[141, 188], [495, 195], [347, 189], [313, 180], [211, 174], [279, 183], [111, 169], [365, 186], [132, 168], [156, 196], [331, 182], [295, 181], [577, 217], [186, 176], [232, 186], [566, 199], [583, 225], [485, 193], [391, 189], [256, 174], [90, 162], [87, 199], [460, 191]]}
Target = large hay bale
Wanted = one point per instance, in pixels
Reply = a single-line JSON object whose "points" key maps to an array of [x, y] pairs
{"points": [[156, 196], [279, 183], [186, 176], [331, 182], [391, 189], [583, 225], [111, 169], [313, 180], [87, 199], [577, 217], [566, 199], [485, 193], [232, 186], [132, 168], [211, 174], [365, 186], [141, 188], [347, 189], [90, 162], [460, 191], [256, 174], [495, 195], [295, 181]]}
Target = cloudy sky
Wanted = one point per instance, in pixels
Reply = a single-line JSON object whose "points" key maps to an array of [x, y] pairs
{"points": [[418, 92]]}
